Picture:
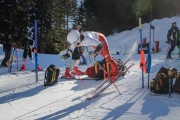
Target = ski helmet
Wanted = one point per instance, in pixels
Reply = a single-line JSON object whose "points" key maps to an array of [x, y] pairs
{"points": [[73, 36]]}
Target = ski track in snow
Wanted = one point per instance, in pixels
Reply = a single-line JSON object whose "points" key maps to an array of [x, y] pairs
{"points": [[82, 112], [21, 98], [17, 82], [84, 109]]}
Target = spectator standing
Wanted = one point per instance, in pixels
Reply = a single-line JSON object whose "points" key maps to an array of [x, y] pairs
{"points": [[173, 39], [7, 44]]}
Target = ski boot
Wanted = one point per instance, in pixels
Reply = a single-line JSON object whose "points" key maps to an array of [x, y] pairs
{"points": [[4, 65], [169, 57], [77, 71], [67, 74], [39, 68], [23, 67]]}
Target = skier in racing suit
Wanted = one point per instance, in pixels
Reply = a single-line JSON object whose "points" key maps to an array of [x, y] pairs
{"points": [[74, 51], [99, 43]]}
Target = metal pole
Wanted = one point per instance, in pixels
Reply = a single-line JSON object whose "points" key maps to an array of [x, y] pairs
{"points": [[140, 31], [36, 57]]}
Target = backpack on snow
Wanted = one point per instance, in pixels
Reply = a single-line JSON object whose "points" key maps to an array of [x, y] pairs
{"points": [[51, 75], [97, 72], [160, 84], [176, 86]]}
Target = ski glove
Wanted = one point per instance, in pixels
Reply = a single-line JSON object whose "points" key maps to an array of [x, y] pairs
{"points": [[31, 47], [65, 56], [98, 48]]}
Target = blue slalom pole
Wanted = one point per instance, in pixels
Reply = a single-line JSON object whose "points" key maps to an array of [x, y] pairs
{"points": [[170, 86], [140, 31], [149, 54], [35, 45]]}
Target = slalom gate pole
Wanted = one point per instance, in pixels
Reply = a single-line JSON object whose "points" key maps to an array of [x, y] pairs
{"points": [[89, 56], [152, 29], [140, 32], [80, 79], [170, 87], [153, 41], [36, 57], [149, 50], [103, 69], [16, 57], [168, 49]]}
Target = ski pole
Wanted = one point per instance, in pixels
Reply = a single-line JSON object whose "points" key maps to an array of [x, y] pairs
{"points": [[153, 41], [79, 77], [16, 57], [179, 50], [99, 86], [88, 55], [170, 87], [107, 75], [11, 60], [167, 49]]}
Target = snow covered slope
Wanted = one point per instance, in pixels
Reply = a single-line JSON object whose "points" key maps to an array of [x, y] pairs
{"points": [[21, 98]]}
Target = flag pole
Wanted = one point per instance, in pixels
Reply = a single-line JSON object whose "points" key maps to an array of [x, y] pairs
{"points": [[152, 29], [140, 31], [148, 62], [35, 45], [149, 50]]}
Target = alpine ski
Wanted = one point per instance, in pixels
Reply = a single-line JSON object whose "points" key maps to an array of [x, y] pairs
{"points": [[103, 88], [99, 89], [106, 80]]}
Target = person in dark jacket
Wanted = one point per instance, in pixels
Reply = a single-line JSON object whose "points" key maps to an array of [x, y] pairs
{"points": [[173, 39], [7, 44]]}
